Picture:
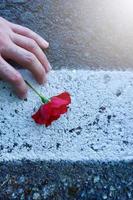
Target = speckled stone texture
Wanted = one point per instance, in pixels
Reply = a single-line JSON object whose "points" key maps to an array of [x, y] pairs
{"points": [[86, 154], [82, 33], [98, 125], [64, 180]]}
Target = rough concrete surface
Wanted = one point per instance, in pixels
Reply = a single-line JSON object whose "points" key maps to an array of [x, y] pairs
{"points": [[90, 34], [98, 126], [91, 144]]}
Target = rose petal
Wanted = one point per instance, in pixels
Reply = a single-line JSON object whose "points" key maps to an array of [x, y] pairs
{"points": [[57, 102], [65, 96], [37, 117], [45, 111]]}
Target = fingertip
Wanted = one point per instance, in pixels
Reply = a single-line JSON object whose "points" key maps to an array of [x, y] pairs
{"points": [[42, 80], [24, 97], [22, 94], [49, 66], [45, 44]]}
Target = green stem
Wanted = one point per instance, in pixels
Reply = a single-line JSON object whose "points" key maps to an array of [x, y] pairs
{"points": [[43, 99]]}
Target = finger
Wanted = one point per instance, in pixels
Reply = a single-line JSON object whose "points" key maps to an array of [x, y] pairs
{"points": [[31, 34], [27, 60], [9, 74], [30, 45]]}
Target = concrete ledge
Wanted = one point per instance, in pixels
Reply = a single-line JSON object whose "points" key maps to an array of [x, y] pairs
{"points": [[98, 126], [87, 154]]}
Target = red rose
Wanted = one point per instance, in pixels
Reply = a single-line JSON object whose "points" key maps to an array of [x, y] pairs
{"points": [[52, 110]]}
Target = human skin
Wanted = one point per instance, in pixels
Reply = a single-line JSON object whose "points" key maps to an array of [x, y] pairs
{"points": [[23, 46]]}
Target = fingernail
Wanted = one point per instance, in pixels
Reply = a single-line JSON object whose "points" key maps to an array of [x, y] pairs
{"points": [[50, 67], [47, 44], [43, 81], [24, 96]]}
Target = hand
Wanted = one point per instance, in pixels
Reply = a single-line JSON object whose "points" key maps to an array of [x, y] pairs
{"points": [[23, 46]]}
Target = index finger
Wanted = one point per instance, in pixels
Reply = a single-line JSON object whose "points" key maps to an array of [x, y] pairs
{"points": [[29, 33]]}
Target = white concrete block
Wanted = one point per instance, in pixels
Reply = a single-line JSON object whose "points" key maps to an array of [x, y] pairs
{"points": [[98, 125]]}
